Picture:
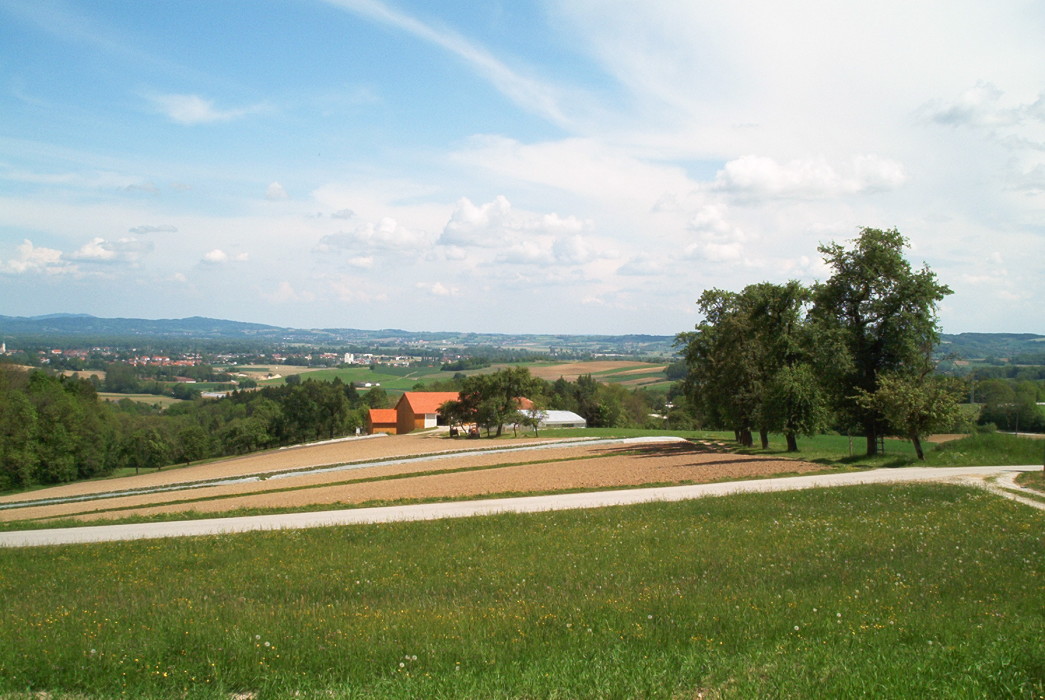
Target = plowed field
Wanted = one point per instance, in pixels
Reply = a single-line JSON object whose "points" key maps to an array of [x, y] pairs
{"points": [[382, 469]]}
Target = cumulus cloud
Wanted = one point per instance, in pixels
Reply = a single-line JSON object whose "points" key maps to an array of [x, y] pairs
{"points": [[387, 234], [486, 225], [33, 259], [343, 214], [362, 262], [718, 239], [760, 176], [276, 192], [141, 230], [124, 250], [193, 109], [220, 257], [520, 237]]}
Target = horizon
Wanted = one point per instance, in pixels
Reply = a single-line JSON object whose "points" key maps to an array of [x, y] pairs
{"points": [[530, 167], [61, 314]]}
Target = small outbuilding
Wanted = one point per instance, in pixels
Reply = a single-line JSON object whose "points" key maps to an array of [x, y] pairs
{"points": [[381, 420], [561, 419]]}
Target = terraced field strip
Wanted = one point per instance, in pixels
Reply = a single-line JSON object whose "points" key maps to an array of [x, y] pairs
{"points": [[277, 485]]}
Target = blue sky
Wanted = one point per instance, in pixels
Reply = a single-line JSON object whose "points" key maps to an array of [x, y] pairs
{"points": [[525, 166]]}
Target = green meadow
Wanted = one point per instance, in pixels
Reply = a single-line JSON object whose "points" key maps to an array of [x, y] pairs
{"points": [[868, 591]]}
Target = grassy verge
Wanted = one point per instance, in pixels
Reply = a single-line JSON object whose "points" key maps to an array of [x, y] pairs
{"points": [[891, 591]]}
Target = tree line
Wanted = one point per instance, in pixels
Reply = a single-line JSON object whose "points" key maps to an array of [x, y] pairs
{"points": [[56, 429]]}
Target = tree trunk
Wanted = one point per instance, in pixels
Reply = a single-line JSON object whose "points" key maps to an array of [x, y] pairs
{"points": [[918, 447], [872, 443], [745, 438], [792, 442], [763, 435]]}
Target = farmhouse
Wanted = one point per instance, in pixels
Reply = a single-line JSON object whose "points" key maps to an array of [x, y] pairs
{"points": [[417, 410]]}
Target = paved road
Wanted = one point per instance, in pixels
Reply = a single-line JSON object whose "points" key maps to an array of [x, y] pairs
{"points": [[982, 476]]}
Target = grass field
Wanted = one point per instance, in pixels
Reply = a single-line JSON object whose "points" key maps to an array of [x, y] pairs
{"points": [[891, 592], [150, 399]]}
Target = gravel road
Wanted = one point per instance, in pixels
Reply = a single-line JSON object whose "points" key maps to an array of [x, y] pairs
{"points": [[984, 476]]}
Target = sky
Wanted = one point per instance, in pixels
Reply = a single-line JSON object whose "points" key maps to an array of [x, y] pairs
{"points": [[511, 166]]}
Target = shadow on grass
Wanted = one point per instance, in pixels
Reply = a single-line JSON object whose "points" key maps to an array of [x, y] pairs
{"points": [[708, 454]]}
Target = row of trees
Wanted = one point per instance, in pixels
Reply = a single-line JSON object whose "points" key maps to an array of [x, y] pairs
{"points": [[853, 353], [55, 429]]}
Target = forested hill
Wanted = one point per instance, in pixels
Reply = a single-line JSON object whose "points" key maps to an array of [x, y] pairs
{"points": [[79, 328], [1022, 348], [85, 328]]}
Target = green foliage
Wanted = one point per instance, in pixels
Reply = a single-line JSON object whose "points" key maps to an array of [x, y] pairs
{"points": [[491, 400], [54, 429], [879, 316], [749, 362], [914, 405]]}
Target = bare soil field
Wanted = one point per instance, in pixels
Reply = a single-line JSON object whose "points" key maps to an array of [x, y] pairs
{"points": [[556, 467], [571, 370]]}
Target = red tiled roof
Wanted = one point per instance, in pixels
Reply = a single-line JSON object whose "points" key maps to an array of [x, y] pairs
{"points": [[428, 401], [382, 415]]}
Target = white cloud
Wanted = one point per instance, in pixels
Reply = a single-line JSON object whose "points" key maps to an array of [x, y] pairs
{"points": [[126, 250], [363, 262], [276, 192], [193, 109], [761, 176], [487, 225], [386, 235], [217, 256], [33, 259]]}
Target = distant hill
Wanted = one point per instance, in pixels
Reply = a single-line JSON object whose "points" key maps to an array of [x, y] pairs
{"points": [[979, 346], [71, 327], [84, 328], [86, 325]]}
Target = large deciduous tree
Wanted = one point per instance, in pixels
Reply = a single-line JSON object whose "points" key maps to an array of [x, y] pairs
{"points": [[491, 400], [749, 360], [879, 316]]}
